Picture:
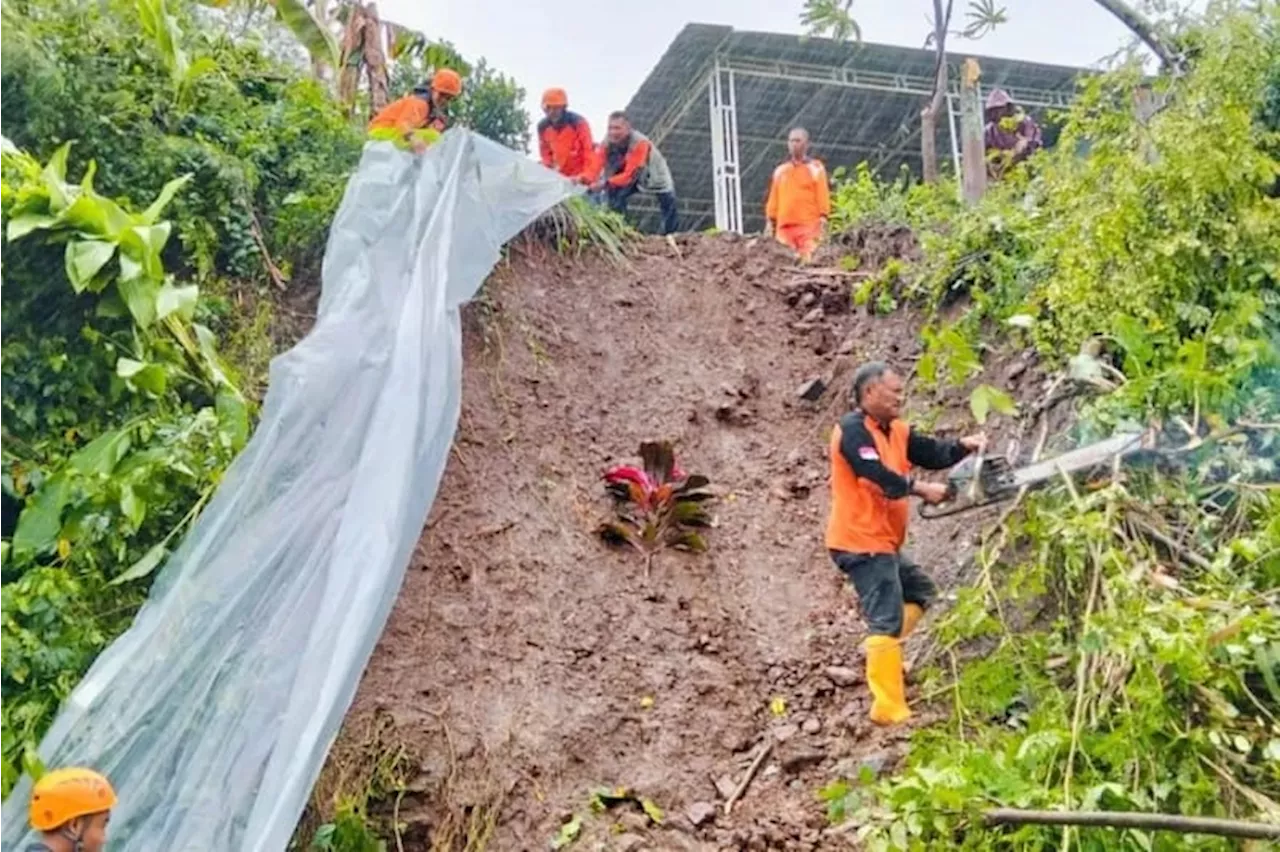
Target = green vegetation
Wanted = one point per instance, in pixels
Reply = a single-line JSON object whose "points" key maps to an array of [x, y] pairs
{"points": [[170, 171], [1093, 665]]}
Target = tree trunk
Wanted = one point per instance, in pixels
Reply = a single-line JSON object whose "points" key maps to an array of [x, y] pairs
{"points": [[929, 115], [353, 42], [973, 154], [375, 60], [1144, 29]]}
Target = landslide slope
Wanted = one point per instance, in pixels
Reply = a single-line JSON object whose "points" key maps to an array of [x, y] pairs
{"points": [[516, 672]]}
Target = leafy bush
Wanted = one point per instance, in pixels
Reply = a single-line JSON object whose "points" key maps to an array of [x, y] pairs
{"points": [[1146, 679], [119, 418], [268, 148]]}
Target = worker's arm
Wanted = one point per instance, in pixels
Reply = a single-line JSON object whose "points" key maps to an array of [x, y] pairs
{"points": [[636, 158], [859, 450], [544, 149], [934, 453], [595, 165], [771, 205], [824, 193], [402, 117], [585, 144]]}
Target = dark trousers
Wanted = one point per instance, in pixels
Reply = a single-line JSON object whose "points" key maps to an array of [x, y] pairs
{"points": [[618, 196], [885, 582]]}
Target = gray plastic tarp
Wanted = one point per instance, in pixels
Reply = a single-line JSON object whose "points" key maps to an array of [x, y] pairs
{"points": [[213, 714]]}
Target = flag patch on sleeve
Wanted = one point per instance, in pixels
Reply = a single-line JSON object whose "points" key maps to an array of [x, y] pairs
{"points": [[868, 454]]}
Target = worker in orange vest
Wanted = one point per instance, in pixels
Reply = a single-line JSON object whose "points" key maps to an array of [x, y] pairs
{"points": [[418, 119], [799, 199], [71, 808], [564, 137], [872, 452]]}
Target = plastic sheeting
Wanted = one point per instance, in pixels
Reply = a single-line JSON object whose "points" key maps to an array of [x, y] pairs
{"points": [[213, 714]]}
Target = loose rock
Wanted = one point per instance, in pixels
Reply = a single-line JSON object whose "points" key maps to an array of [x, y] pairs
{"points": [[842, 676], [812, 389], [700, 813]]}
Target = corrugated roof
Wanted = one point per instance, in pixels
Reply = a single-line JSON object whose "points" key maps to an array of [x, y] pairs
{"points": [[859, 101]]}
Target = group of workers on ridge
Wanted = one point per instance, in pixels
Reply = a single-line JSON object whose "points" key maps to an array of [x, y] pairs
{"points": [[625, 163]]}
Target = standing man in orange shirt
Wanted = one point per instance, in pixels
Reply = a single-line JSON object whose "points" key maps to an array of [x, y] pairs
{"points": [[872, 453], [564, 137], [799, 199]]}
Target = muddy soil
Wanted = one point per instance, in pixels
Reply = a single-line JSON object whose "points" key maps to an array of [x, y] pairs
{"points": [[526, 665]]}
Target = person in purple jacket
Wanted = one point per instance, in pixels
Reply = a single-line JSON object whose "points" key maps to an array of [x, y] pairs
{"points": [[1011, 135]]}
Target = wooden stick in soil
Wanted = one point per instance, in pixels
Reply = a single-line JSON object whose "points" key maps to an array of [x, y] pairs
{"points": [[751, 773], [1129, 819]]}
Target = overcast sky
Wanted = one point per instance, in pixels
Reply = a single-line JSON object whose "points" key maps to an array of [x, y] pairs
{"points": [[601, 53]]}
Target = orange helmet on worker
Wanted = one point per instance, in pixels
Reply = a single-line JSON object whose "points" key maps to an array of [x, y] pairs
{"points": [[71, 808], [421, 116]]}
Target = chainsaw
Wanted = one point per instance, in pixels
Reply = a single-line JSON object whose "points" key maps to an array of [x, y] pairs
{"points": [[986, 480]]}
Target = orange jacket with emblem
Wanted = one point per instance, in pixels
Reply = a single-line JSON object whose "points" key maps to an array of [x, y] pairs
{"points": [[870, 480], [798, 193], [412, 112], [566, 145]]}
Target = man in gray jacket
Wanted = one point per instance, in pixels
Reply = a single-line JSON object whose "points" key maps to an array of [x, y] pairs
{"points": [[627, 163]]}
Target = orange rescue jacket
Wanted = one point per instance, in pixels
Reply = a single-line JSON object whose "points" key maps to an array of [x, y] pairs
{"points": [[412, 112], [798, 193], [566, 146], [870, 481]]}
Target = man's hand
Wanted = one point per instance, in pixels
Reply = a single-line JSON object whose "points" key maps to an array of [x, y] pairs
{"points": [[418, 146], [974, 443], [598, 186], [931, 492], [822, 225], [1021, 145], [768, 227]]}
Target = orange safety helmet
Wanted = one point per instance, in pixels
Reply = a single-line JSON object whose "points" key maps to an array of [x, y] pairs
{"points": [[447, 82], [64, 794], [554, 98]]}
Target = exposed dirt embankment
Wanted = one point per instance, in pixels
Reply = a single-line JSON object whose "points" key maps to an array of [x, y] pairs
{"points": [[519, 663]]}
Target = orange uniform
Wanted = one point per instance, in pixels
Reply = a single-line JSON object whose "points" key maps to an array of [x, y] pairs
{"points": [[870, 467], [566, 145], [799, 200], [408, 114]]}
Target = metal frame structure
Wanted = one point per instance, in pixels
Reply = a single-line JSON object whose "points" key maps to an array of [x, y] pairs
{"points": [[859, 101], [719, 81], [724, 149]]}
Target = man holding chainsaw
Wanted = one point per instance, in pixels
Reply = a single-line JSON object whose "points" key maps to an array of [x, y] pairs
{"points": [[872, 453]]}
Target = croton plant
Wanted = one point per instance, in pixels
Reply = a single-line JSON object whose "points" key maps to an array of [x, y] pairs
{"points": [[657, 504]]}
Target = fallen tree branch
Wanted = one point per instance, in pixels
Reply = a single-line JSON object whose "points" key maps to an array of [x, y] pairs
{"points": [[1129, 819], [255, 228], [751, 773], [1186, 555]]}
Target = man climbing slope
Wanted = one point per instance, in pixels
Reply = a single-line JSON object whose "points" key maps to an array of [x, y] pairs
{"points": [[872, 452], [799, 198], [70, 808], [631, 164], [564, 137], [421, 116]]}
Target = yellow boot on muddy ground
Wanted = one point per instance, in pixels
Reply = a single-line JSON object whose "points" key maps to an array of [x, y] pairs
{"points": [[884, 677]]}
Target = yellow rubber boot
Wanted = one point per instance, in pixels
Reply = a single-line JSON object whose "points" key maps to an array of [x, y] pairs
{"points": [[911, 615], [884, 677]]}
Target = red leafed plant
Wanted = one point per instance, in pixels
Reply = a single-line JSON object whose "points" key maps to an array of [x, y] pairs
{"points": [[658, 505]]}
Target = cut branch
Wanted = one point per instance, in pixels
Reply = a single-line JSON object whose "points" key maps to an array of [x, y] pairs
{"points": [[1129, 819]]}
